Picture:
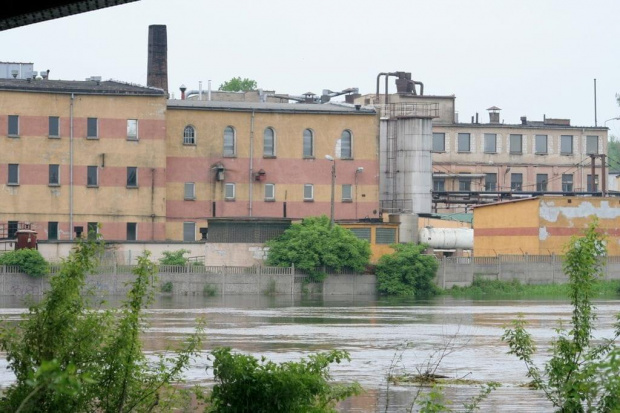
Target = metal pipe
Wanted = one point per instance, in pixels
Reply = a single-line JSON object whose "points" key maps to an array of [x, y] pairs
{"points": [[421, 86], [592, 180], [603, 176], [71, 168], [209, 91], [251, 172]]}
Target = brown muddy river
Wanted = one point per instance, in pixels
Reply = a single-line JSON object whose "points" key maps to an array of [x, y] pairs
{"points": [[379, 334]]}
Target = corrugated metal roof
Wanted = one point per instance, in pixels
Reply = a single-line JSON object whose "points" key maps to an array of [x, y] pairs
{"points": [[342, 108], [104, 87]]}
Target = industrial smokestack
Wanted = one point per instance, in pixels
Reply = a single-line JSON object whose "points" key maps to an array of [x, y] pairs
{"points": [[157, 70]]}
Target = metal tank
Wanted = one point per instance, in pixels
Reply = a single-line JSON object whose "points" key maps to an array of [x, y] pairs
{"points": [[447, 238]]}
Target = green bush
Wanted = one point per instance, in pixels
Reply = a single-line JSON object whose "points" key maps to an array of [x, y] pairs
{"points": [[166, 287], [314, 244], [407, 271], [29, 260], [246, 384], [209, 290], [174, 257], [68, 356]]}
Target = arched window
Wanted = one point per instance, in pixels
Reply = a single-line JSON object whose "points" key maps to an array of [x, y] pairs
{"points": [[345, 145], [230, 148], [308, 143], [189, 135], [269, 142]]}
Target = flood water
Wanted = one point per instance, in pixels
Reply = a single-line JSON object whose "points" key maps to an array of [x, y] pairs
{"points": [[461, 337]]}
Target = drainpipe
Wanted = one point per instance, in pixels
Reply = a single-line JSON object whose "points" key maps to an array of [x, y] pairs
{"points": [[71, 168], [251, 163], [152, 204]]}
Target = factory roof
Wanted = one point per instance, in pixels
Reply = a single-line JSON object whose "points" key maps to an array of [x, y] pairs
{"points": [[89, 86], [333, 107]]}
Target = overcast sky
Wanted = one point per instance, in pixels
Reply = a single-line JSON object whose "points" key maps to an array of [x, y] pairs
{"points": [[528, 57]]}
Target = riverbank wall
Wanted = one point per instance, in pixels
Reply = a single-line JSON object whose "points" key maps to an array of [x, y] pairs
{"points": [[228, 280], [200, 280]]}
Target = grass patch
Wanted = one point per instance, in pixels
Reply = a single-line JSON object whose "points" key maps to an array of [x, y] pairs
{"points": [[514, 288], [432, 379]]}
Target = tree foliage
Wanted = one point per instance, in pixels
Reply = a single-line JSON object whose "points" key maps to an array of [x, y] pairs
{"points": [[246, 384], [237, 84], [29, 260], [407, 271], [69, 357], [174, 257], [312, 244], [581, 375], [613, 153]]}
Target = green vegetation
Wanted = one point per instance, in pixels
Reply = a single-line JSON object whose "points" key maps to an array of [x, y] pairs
{"points": [[407, 271], [174, 257], [66, 357], [29, 260], [312, 244], [515, 289], [237, 84], [581, 375], [246, 384], [209, 290], [613, 152], [166, 287]]}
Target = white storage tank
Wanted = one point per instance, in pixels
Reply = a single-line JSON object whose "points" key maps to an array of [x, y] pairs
{"points": [[447, 238]]}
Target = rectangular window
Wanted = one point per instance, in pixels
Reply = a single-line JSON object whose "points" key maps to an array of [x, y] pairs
{"points": [[541, 182], [92, 178], [190, 191], [347, 193], [13, 125], [361, 233], [308, 192], [132, 231], [490, 143], [54, 175], [13, 174], [439, 142], [229, 192], [591, 145], [189, 231], [464, 142], [541, 144], [439, 184], [92, 131], [385, 235], [567, 182], [464, 184], [52, 231], [13, 225], [132, 129], [270, 192], [516, 144], [592, 186], [516, 182], [490, 182], [54, 127], [93, 230], [132, 177], [566, 144]]}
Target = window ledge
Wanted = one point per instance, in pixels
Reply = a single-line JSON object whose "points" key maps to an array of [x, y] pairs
{"points": [[269, 156], [189, 199], [347, 201], [132, 187], [542, 153], [566, 154], [53, 185], [229, 199], [444, 151], [463, 151], [92, 186], [229, 156], [13, 136], [308, 200], [12, 184], [92, 138], [133, 139], [516, 153], [189, 144], [491, 152], [54, 136], [270, 200], [346, 159], [308, 157]]}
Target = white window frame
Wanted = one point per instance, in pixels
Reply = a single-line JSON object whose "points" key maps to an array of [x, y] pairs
{"points": [[229, 191], [510, 144], [136, 184], [593, 138], [8, 179], [273, 143], [458, 142], [96, 135], [572, 148], [92, 168], [310, 136], [311, 188], [189, 135], [273, 192], [546, 151], [194, 227], [436, 137], [8, 132], [49, 124], [350, 139], [49, 180], [135, 231], [132, 135], [226, 152], [349, 188], [487, 137], [192, 186]]}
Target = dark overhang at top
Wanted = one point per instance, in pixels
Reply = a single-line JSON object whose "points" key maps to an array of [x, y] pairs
{"points": [[14, 13]]}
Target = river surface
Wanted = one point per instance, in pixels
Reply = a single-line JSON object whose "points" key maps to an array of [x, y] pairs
{"points": [[461, 338]]}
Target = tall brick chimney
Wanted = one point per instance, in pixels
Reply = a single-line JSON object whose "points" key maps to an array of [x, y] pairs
{"points": [[157, 70]]}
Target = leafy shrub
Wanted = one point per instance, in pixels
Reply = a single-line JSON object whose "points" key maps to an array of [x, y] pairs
{"points": [[29, 260], [313, 244], [407, 271], [174, 257], [246, 384], [209, 290], [166, 287], [68, 358]]}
